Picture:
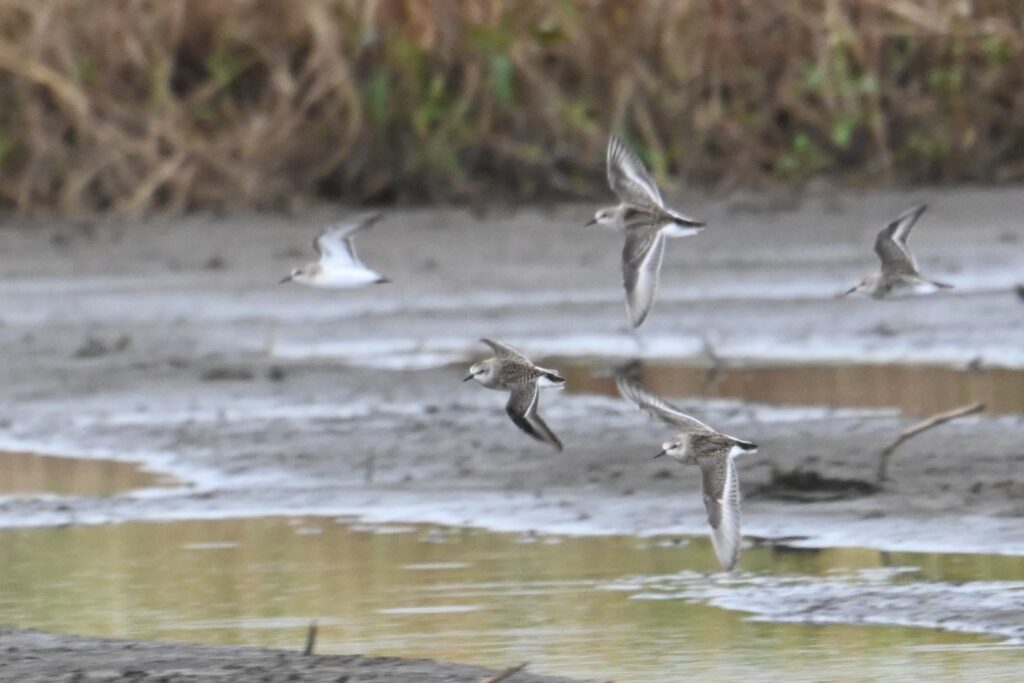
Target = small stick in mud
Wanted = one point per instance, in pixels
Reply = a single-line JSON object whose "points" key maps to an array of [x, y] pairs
{"points": [[310, 639], [922, 426], [506, 673]]}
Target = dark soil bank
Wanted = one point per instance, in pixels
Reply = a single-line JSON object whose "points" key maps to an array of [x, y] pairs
{"points": [[34, 657]]}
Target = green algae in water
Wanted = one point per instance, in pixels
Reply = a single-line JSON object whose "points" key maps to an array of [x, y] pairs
{"points": [[472, 596]]}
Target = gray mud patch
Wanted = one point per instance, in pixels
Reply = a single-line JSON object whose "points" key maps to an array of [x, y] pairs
{"points": [[35, 657], [270, 400], [809, 486]]}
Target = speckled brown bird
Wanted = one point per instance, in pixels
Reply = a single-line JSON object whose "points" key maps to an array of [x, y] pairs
{"points": [[701, 445], [646, 221], [338, 266], [899, 275], [511, 371]]}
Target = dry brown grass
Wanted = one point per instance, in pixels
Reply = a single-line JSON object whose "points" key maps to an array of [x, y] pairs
{"points": [[130, 106]]}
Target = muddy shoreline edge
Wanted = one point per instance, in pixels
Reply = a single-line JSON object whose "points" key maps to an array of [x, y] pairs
{"points": [[39, 657]]}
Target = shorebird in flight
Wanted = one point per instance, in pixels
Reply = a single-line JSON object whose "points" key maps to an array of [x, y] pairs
{"points": [[511, 371], [698, 444], [899, 275], [338, 266], [645, 219]]}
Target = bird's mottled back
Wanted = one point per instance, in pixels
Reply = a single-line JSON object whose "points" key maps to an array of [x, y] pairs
{"points": [[512, 372], [710, 445], [713, 452]]}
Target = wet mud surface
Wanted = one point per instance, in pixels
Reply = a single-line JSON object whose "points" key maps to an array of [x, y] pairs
{"points": [[34, 656], [123, 342]]}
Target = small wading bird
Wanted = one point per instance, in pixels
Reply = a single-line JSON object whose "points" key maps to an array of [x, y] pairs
{"points": [[899, 275], [645, 219], [701, 445], [510, 370], [338, 267]]}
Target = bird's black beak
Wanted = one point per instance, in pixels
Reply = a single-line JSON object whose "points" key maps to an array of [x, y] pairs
{"points": [[592, 221], [848, 292], [660, 454], [467, 378], [286, 278]]}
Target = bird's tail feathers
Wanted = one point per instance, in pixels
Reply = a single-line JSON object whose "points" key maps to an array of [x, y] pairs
{"points": [[685, 221], [550, 378], [740, 446]]}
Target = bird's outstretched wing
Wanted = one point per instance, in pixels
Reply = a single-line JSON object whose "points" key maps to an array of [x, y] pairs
{"points": [[641, 265], [335, 242], [891, 243], [659, 408], [522, 408], [628, 177], [722, 502], [503, 350]]}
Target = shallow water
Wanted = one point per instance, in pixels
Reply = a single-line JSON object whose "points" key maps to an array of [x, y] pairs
{"points": [[914, 389], [22, 473], [596, 607]]}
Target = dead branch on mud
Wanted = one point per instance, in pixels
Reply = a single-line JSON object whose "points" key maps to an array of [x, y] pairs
{"points": [[310, 639], [505, 673], [923, 426]]}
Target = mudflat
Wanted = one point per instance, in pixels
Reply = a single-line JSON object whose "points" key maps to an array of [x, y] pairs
{"points": [[39, 657], [170, 344]]}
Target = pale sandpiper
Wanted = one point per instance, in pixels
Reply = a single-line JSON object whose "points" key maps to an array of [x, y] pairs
{"points": [[338, 267], [699, 444], [510, 370], [899, 275], [645, 219]]}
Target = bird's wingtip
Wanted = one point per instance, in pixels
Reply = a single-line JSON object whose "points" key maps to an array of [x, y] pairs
{"points": [[637, 318]]}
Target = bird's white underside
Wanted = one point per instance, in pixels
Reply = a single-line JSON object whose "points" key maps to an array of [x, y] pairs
{"points": [[344, 278], [738, 450], [546, 383], [673, 230]]}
